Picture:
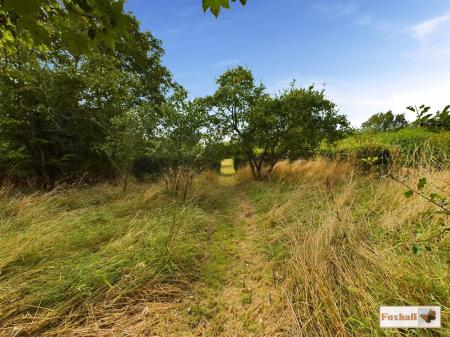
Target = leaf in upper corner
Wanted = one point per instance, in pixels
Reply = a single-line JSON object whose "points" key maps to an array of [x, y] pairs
{"points": [[215, 5]]}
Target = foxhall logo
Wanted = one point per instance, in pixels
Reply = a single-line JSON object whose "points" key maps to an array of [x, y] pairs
{"points": [[410, 317]]}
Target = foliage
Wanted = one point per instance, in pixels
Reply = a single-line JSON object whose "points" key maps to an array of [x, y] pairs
{"points": [[180, 140], [78, 24], [232, 105], [409, 147], [384, 122], [432, 197], [437, 122], [57, 109], [267, 129], [126, 140], [216, 5]]}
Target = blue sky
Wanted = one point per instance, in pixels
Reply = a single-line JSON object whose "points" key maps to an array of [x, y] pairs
{"points": [[373, 55]]}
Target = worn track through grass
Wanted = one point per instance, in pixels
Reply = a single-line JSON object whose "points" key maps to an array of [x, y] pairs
{"points": [[236, 295]]}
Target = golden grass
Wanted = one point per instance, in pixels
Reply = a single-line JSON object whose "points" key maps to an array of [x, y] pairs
{"points": [[349, 249], [93, 262], [69, 253], [311, 170], [301, 171]]}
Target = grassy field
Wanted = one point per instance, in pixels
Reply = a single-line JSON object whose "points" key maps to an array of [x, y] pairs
{"points": [[313, 252]]}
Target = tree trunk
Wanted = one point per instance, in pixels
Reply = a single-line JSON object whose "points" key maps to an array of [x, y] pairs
{"points": [[253, 166], [125, 183]]}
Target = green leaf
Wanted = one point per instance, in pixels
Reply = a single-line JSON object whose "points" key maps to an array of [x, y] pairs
{"points": [[409, 194], [416, 249], [205, 5], [215, 5], [24, 7], [421, 184], [225, 3]]}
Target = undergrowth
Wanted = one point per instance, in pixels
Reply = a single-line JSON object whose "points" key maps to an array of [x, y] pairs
{"points": [[346, 247], [65, 251], [340, 244]]}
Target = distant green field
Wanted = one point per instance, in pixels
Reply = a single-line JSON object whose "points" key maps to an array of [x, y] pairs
{"points": [[227, 167]]}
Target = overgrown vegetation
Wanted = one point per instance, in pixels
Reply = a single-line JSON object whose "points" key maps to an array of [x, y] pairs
{"points": [[129, 208], [64, 251], [410, 147], [355, 244], [73, 256]]}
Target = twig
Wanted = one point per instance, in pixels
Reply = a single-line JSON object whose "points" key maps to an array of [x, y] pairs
{"points": [[446, 210]]}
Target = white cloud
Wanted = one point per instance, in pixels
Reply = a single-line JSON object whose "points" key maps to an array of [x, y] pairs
{"points": [[344, 10], [424, 29], [363, 97], [226, 63], [335, 10], [361, 100]]}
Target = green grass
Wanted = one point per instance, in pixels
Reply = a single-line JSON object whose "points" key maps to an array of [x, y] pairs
{"points": [[62, 251], [337, 258], [409, 147], [340, 270]]}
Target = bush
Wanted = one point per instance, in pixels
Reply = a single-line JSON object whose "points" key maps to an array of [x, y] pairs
{"points": [[407, 147]]}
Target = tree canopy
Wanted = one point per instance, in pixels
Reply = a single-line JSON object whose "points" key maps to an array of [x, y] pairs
{"points": [[436, 122], [383, 122], [58, 108], [266, 129], [81, 25]]}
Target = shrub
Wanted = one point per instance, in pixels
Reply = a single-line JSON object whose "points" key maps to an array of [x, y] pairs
{"points": [[407, 147]]}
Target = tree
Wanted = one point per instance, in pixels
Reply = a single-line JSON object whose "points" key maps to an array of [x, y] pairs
{"points": [[437, 122], [126, 141], [267, 129], [180, 140], [290, 126], [232, 105], [58, 108], [81, 25], [384, 122]]}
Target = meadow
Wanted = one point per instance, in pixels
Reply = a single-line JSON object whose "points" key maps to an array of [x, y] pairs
{"points": [[312, 252], [130, 207]]}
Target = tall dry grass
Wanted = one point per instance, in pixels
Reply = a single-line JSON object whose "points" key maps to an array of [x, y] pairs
{"points": [[300, 171], [71, 255], [353, 244]]}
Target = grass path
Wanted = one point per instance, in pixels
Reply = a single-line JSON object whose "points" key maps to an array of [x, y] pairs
{"points": [[249, 302], [237, 294], [233, 294]]}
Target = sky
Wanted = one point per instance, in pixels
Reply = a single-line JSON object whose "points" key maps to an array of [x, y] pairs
{"points": [[370, 55]]}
